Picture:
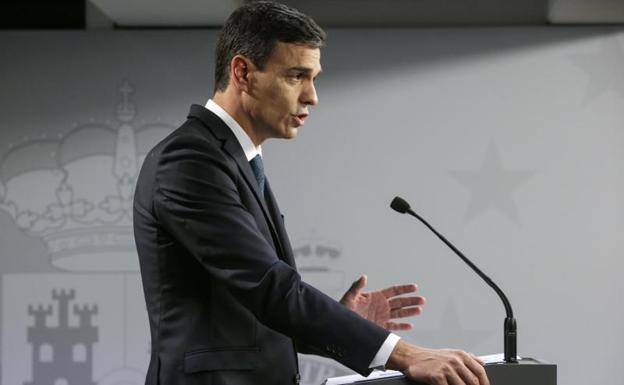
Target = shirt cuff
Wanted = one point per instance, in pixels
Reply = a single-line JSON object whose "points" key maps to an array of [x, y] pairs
{"points": [[383, 354]]}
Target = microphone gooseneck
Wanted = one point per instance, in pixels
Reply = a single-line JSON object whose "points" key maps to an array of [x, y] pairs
{"points": [[510, 334]]}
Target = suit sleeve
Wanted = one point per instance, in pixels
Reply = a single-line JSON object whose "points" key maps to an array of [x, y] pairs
{"points": [[197, 201]]}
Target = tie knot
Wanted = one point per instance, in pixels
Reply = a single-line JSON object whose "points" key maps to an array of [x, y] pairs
{"points": [[258, 169]]}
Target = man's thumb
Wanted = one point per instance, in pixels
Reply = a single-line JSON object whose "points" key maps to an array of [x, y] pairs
{"points": [[359, 284]]}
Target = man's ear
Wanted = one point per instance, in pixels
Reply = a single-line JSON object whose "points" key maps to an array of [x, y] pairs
{"points": [[239, 72]]}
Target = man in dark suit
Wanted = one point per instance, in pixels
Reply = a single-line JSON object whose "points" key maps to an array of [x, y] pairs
{"points": [[225, 302]]}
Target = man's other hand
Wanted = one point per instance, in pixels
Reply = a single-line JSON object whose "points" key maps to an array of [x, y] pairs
{"points": [[437, 366], [385, 305]]}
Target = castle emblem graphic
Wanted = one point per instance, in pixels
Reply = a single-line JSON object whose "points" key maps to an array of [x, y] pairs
{"points": [[62, 354], [85, 322]]}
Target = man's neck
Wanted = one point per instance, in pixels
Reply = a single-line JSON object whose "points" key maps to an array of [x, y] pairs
{"points": [[234, 109]]}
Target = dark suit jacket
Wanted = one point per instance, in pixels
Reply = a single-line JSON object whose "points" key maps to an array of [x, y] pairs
{"points": [[225, 301]]}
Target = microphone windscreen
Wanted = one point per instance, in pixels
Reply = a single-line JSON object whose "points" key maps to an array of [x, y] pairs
{"points": [[399, 204]]}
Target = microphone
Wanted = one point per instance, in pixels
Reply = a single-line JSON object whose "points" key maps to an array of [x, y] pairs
{"points": [[510, 335]]}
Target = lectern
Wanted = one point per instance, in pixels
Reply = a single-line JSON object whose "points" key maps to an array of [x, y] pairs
{"points": [[526, 371]]}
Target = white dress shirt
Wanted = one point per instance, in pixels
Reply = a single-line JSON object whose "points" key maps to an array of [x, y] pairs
{"points": [[245, 141], [381, 358]]}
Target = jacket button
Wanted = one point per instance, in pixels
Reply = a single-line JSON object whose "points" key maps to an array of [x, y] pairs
{"points": [[297, 378]]}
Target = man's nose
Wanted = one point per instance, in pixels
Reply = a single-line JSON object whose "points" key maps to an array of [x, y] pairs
{"points": [[309, 96]]}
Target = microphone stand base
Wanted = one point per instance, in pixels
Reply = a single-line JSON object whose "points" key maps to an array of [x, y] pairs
{"points": [[527, 371]]}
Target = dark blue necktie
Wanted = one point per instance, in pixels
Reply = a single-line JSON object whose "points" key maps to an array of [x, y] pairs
{"points": [[258, 170]]}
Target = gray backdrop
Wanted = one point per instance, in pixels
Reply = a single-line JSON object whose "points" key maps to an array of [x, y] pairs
{"points": [[510, 141]]}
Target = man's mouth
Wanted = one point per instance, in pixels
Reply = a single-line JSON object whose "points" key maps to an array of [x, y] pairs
{"points": [[300, 119]]}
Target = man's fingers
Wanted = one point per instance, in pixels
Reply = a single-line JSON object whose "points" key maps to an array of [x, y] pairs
{"points": [[476, 367], [455, 379], [399, 302], [398, 326], [468, 377], [405, 312], [461, 370], [393, 291], [480, 361]]}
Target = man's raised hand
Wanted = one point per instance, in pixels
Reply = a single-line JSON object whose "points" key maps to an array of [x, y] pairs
{"points": [[384, 306]]}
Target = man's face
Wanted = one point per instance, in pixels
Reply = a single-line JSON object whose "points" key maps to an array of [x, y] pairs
{"points": [[279, 95]]}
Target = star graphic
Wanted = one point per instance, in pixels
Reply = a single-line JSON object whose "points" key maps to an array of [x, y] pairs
{"points": [[451, 333], [603, 68], [491, 186]]}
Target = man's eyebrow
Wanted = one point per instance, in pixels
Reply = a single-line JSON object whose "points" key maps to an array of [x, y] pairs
{"points": [[305, 70]]}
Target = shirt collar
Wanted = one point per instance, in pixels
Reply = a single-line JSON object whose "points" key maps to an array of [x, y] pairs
{"points": [[243, 139]]}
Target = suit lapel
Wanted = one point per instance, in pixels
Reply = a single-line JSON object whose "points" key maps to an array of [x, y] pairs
{"points": [[278, 219], [231, 146]]}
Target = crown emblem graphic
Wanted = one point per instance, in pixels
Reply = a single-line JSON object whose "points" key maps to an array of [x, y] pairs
{"points": [[75, 192]]}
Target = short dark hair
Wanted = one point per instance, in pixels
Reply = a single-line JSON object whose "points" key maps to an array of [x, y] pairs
{"points": [[254, 29]]}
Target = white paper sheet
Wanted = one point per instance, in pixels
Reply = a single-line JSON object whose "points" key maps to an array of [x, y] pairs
{"points": [[495, 358], [354, 378]]}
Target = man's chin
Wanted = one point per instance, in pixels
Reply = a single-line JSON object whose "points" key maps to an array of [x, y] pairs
{"points": [[291, 133]]}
